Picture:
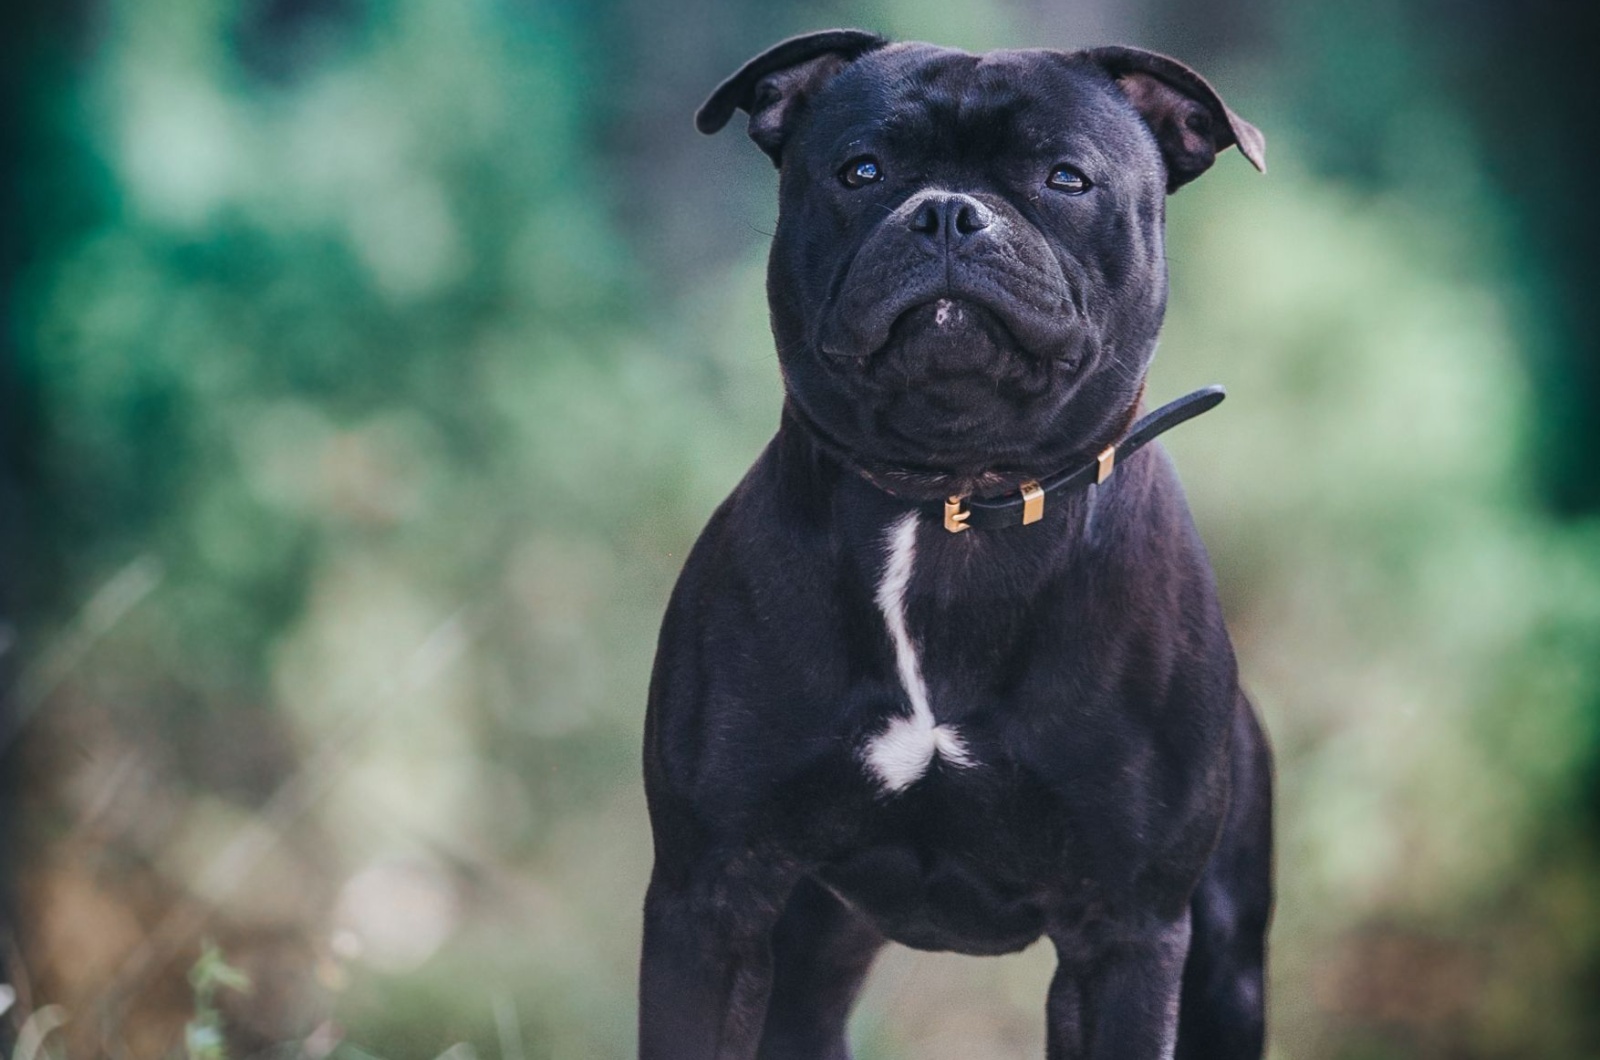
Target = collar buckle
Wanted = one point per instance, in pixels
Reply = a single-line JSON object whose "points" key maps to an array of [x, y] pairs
{"points": [[955, 516]]}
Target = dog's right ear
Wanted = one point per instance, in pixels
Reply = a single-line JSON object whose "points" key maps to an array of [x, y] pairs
{"points": [[771, 86], [1189, 120]]}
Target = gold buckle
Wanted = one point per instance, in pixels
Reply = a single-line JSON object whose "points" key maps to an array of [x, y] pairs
{"points": [[1032, 502], [1107, 460], [955, 517]]}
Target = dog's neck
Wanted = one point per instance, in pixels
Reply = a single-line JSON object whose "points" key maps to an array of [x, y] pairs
{"points": [[916, 485], [855, 505], [805, 455]]}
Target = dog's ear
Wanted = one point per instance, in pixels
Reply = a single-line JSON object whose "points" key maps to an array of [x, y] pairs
{"points": [[1189, 119], [771, 86]]}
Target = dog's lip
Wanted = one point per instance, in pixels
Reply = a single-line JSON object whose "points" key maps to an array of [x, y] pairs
{"points": [[837, 343], [940, 304], [985, 318]]}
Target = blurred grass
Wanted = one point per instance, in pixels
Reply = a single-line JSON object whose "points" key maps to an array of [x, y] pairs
{"points": [[369, 456]]}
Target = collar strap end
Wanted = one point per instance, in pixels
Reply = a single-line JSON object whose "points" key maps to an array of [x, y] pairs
{"points": [[1027, 506]]}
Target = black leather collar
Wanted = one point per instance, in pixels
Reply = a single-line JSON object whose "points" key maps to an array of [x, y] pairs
{"points": [[1027, 505]]}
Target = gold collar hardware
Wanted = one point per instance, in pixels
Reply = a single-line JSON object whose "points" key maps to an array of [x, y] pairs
{"points": [[1026, 505], [1032, 502], [1106, 461], [955, 516]]}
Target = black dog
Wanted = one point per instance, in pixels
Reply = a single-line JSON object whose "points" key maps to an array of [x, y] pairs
{"points": [[921, 678]]}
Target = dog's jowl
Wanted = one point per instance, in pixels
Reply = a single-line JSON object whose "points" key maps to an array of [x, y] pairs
{"points": [[948, 667]]}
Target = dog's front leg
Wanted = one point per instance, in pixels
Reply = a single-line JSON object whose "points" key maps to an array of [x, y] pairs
{"points": [[706, 969], [1123, 1003]]}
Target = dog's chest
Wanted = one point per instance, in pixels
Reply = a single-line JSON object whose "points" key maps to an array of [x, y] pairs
{"points": [[970, 842], [959, 881], [976, 858], [947, 666]]}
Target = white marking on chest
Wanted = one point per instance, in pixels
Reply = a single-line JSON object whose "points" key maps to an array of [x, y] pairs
{"points": [[904, 750]]}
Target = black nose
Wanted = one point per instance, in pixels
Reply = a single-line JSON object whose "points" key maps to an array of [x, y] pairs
{"points": [[950, 218]]}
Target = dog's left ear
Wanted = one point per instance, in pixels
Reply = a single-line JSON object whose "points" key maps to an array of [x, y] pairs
{"points": [[771, 86], [1190, 121]]}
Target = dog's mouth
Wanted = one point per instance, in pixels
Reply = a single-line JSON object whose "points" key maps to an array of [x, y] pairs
{"points": [[946, 336], [945, 331], [950, 379], [947, 316]]}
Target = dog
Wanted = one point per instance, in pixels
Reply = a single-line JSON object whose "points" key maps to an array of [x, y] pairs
{"points": [[948, 666]]}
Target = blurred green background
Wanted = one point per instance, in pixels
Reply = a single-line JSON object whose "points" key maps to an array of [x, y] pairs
{"points": [[369, 366]]}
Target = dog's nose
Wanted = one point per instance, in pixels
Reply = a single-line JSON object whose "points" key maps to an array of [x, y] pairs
{"points": [[949, 218]]}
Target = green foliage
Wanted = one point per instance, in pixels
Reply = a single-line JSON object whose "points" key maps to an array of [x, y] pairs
{"points": [[351, 372], [203, 1036]]}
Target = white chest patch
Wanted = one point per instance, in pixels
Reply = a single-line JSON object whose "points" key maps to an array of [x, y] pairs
{"points": [[902, 752]]}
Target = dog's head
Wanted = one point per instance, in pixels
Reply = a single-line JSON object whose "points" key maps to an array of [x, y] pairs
{"points": [[968, 274]]}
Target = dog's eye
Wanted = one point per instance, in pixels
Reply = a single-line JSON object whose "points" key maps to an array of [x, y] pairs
{"points": [[859, 172], [1066, 178]]}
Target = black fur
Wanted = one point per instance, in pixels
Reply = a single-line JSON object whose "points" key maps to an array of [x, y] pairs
{"points": [[958, 326]]}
